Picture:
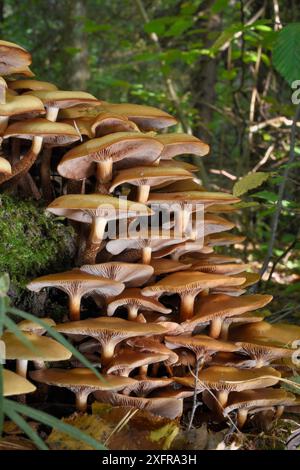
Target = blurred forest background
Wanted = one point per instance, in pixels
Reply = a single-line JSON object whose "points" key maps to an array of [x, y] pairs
{"points": [[210, 63]]}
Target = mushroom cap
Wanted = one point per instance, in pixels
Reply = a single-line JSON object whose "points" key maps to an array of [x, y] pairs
{"points": [[77, 281], [46, 349], [128, 359], [197, 197], [149, 175], [19, 105], [233, 379], [250, 399], [53, 133], [108, 123], [83, 207], [166, 266], [182, 185], [136, 148], [131, 274], [169, 407], [281, 334], [5, 166], [26, 85], [63, 99], [264, 351], [203, 342], [80, 377], [207, 258], [223, 208], [221, 306], [33, 327], [14, 384], [178, 144], [227, 269], [14, 59], [154, 346], [110, 325], [223, 239], [145, 385], [185, 281], [215, 223], [133, 296], [154, 238], [179, 164]]}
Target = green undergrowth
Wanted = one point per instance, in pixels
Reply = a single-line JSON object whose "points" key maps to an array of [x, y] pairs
{"points": [[32, 243]]}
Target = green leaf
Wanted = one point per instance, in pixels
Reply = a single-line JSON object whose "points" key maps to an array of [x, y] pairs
{"points": [[286, 53], [157, 26], [4, 284], [266, 195], [219, 5], [179, 27], [290, 387], [248, 182], [49, 420]]}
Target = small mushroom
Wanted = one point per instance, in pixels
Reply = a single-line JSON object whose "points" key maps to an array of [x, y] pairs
{"points": [[80, 381], [263, 353], [24, 85], [178, 144], [143, 386], [5, 166], [131, 274], [168, 266], [76, 284], [44, 349], [133, 300], [283, 334], [188, 285], [14, 59], [33, 327], [125, 361]]}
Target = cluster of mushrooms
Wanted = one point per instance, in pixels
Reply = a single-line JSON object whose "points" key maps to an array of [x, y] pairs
{"points": [[172, 324]]}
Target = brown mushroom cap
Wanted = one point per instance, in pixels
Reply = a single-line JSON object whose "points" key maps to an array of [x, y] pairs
{"points": [[196, 197], [145, 385], [110, 331], [207, 258], [262, 352], [83, 207], [131, 274], [19, 105], [14, 384], [178, 144], [63, 99], [200, 344], [166, 266], [169, 407], [232, 379], [182, 185], [53, 133], [5, 166], [33, 327], [45, 349], [223, 239], [14, 59], [154, 346], [26, 85], [221, 306], [80, 162], [149, 175], [227, 269], [128, 359], [134, 299], [258, 398], [107, 123], [281, 334], [77, 281]]}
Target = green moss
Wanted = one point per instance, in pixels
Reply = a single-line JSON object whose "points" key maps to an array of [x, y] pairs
{"points": [[32, 242]]}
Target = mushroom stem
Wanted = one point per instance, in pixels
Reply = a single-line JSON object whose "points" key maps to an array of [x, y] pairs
{"points": [[107, 352], [3, 124], [3, 87], [46, 175], [182, 218], [24, 165], [187, 305], [74, 307], [222, 398], [143, 370], [39, 364], [224, 331], [132, 312], [242, 415], [81, 400], [104, 172], [21, 367], [146, 255], [279, 411], [143, 193], [215, 328], [94, 241], [52, 113]]}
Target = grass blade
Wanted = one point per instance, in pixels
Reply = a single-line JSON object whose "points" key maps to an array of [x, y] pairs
{"points": [[16, 418], [49, 420]]}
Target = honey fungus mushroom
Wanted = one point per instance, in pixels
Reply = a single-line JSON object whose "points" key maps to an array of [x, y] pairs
{"points": [[43, 349], [188, 285], [76, 284], [96, 210], [109, 332], [133, 300], [14, 384], [14, 59], [131, 274], [80, 381]]}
